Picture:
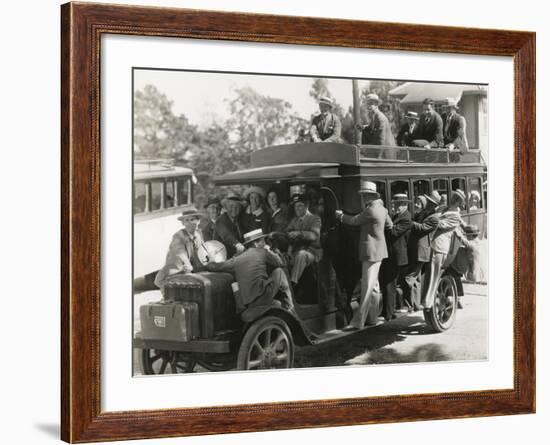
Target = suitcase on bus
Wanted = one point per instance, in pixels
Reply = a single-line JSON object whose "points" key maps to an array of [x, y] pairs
{"points": [[170, 320]]}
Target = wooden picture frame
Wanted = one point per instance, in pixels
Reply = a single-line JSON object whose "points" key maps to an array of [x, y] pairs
{"points": [[82, 26]]}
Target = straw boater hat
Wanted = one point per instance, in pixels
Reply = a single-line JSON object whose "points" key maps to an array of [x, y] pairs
{"points": [[460, 194], [412, 115], [254, 189], [423, 200], [253, 235], [326, 100], [372, 97], [434, 197], [400, 197], [451, 102], [188, 210], [368, 187]]}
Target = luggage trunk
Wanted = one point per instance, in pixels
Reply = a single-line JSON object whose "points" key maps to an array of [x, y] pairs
{"points": [[170, 320]]}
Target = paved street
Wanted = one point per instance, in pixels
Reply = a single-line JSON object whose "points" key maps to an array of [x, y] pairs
{"points": [[408, 339]]}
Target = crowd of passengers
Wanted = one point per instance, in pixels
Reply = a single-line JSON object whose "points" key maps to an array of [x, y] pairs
{"points": [[269, 244], [430, 130]]}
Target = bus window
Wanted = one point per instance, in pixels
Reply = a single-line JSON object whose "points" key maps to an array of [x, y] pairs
{"points": [[183, 191], [474, 194], [381, 189], [156, 195], [442, 186], [139, 197], [459, 184], [169, 195]]}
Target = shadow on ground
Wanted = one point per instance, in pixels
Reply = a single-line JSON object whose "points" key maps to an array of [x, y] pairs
{"points": [[49, 429]]}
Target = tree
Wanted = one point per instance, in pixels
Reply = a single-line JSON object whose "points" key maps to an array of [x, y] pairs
{"points": [[158, 132], [258, 121]]}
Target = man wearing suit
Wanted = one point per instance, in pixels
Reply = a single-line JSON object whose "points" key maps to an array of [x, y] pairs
{"points": [[407, 132], [430, 128], [257, 288], [304, 233], [378, 131], [326, 126], [372, 250], [420, 251], [394, 268], [454, 127], [229, 226]]}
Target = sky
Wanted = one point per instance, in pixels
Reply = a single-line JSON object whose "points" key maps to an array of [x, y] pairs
{"points": [[200, 96]]}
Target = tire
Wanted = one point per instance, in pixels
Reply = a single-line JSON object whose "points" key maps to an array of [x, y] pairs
{"points": [[441, 316], [268, 344], [164, 362]]}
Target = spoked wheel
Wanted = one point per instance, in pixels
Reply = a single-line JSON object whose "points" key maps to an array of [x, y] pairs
{"points": [[217, 366], [165, 362], [441, 316], [267, 344]]}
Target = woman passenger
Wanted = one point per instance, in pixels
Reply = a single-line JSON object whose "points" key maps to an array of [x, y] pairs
{"points": [[256, 217]]}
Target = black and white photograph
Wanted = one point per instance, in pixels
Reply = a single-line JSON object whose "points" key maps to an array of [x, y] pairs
{"points": [[305, 222]]}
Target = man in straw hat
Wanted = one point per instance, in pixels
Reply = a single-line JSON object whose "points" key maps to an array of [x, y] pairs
{"points": [[378, 131], [442, 242], [420, 252], [429, 133], [182, 252], [325, 126], [454, 127], [372, 250], [229, 226], [304, 233], [406, 134], [394, 268], [257, 288]]}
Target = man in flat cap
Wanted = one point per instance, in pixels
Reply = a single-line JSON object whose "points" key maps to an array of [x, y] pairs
{"points": [[430, 127], [325, 126], [406, 134], [454, 127], [304, 233], [182, 252]]}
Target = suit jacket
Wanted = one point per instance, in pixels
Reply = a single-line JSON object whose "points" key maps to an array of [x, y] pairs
{"points": [[279, 220], [251, 221], [181, 256], [454, 131], [250, 270], [372, 242], [309, 227], [441, 241], [405, 137], [431, 130], [378, 132], [419, 239], [230, 233], [326, 127], [397, 238], [208, 229]]}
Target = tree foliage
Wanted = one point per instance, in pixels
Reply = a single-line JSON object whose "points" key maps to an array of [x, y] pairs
{"points": [[158, 132]]}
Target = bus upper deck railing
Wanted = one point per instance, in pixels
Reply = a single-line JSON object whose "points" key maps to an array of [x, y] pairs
{"points": [[382, 153]]}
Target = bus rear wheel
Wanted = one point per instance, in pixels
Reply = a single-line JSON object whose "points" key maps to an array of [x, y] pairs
{"points": [[441, 316], [155, 361]]}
